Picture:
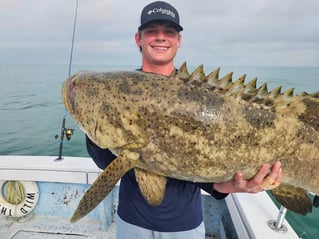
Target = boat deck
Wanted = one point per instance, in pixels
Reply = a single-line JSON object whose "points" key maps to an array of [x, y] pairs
{"points": [[39, 227]]}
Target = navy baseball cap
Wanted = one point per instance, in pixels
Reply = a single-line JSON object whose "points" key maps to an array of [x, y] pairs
{"points": [[160, 11]]}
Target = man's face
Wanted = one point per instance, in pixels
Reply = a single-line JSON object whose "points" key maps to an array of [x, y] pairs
{"points": [[159, 43]]}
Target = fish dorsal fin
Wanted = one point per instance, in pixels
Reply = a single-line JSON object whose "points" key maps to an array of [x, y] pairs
{"points": [[293, 198], [105, 183], [241, 80], [288, 94], [275, 92], [251, 86], [152, 186], [213, 77], [238, 86], [198, 76], [262, 91], [182, 73], [249, 92], [226, 80]]}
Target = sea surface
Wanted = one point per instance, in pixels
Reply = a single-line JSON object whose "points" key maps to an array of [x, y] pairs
{"points": [[31, 111]]}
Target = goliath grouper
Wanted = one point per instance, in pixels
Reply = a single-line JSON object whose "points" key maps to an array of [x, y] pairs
{"points": [[197, 128]]}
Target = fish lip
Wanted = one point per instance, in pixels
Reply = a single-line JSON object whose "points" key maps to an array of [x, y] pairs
{"points": [[67, 92]]}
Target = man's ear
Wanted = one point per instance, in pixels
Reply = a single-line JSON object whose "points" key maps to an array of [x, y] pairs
{"points": [[138, 39], [180, 39]]}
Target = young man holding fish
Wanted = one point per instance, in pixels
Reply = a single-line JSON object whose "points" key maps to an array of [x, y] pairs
{"points": [[180, 213]]}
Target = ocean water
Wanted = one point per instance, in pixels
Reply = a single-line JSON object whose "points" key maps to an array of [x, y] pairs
{"points": [[31, 111]]}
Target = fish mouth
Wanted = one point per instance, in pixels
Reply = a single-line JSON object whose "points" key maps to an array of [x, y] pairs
{"points": [[67, 90]]}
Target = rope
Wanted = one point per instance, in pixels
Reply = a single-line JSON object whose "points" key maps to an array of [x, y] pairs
{"points": [[15, 193]]}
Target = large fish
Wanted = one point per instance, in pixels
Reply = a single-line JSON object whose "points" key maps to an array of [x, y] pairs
{"points": [[197, 128]]}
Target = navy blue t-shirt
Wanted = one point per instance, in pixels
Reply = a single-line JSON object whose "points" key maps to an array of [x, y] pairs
{"points": [[181, 207]]}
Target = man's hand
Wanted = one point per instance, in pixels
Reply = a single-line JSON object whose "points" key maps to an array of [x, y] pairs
{"points": [[268, 177]]}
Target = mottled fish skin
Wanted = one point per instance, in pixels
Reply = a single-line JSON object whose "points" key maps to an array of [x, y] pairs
{"points": [[199, 128]]}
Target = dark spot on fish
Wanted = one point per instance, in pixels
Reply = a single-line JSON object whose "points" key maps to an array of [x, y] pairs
{"points": [[310, 116], [269, 102], [300, 134], [93, 91], [259, 118]]}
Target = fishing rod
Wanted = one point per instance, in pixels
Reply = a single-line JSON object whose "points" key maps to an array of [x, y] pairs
{"points": [[67, 132]]}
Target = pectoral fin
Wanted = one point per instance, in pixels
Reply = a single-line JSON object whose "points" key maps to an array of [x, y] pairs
{"points": [[105, 183], [293, 198], [151, 185]]}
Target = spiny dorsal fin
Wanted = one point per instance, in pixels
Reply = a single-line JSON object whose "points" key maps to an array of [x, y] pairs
{"points": [[275, 92], [237, 86], [249, 90], [262, 91], [287, 96], [238, 89], [226, 80], [198, 76], [289, 93], [183, 72], [251, 87], [213, 77], [241, 80]]}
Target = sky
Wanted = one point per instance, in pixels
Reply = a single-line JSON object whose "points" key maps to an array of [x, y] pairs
{"points": [[222, 33]]}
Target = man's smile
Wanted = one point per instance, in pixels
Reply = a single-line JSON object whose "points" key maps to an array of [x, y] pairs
{"points": [[160, 48]]}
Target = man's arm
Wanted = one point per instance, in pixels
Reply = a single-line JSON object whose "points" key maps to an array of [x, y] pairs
{"points": [[101, 157]]}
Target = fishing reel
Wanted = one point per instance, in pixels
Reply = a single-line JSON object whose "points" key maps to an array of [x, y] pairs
{"points": [[66, 132]]}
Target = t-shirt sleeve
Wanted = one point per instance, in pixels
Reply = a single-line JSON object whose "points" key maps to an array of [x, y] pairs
{"points": [[101, 157], [208, 187]]}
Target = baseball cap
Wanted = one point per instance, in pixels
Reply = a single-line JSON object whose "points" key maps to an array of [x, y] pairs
{"points": [[160, 11]]}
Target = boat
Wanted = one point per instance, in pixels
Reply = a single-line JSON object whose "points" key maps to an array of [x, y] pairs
{"points": [[53, 187]]}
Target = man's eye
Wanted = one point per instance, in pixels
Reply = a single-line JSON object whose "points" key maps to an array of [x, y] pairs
{"points": [[150, 31]]}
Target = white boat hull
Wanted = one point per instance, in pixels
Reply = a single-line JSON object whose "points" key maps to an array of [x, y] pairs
{"points": [[62, 183]]}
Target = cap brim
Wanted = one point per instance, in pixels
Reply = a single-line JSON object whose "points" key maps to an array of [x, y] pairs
{"points": [[176, 26]]}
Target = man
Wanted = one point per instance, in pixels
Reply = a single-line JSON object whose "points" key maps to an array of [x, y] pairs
{"points": [[180, 213]]}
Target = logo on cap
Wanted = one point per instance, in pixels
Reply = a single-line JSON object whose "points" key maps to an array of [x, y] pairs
{"points": [[162, 11]]}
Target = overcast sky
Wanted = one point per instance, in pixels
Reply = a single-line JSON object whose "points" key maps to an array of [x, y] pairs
{"points": [[223, 33]]}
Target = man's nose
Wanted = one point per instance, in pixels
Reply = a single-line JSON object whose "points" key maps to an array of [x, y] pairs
{"points": [[160, 35]]}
